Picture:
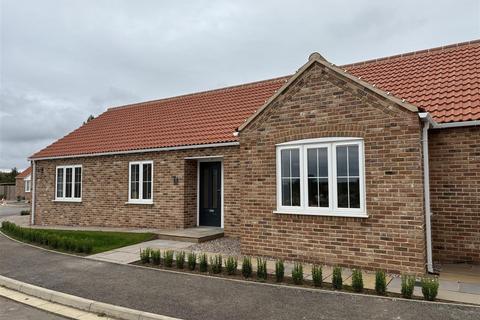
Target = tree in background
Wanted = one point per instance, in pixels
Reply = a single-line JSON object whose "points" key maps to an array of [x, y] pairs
{"points": [[8, 177]]}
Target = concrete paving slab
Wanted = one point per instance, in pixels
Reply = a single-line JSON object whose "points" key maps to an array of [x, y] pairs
{"points": [[449, 285], [458, 297], [469, 288], [395, 286], [131, 253]]}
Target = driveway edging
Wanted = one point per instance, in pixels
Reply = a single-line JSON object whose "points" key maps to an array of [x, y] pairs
{"points": [[80, 303]]}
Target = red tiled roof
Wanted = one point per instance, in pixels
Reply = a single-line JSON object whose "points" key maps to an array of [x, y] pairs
{"points": [[193, 119], [444, 81], [24, 173]]}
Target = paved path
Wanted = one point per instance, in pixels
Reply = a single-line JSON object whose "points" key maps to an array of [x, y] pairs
{"points": [[13, 209], [11, 310], [193, 297], [129, 254]]}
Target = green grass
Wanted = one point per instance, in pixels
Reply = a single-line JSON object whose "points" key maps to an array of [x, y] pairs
{"points": [[101, 240], [105, 240]]}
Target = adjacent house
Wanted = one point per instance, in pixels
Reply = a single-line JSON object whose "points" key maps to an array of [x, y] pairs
{"points": [[373, 165], [23, 185]]}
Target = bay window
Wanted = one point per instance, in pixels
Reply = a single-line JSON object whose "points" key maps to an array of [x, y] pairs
{"points": [[321, 177], [68, 183], [140, 184]]}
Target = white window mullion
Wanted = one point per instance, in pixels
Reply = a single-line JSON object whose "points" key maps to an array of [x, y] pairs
{"points": [[348, 179], [64, 174], [140, 181], [330, 178], [73, 181], [318, 177]]}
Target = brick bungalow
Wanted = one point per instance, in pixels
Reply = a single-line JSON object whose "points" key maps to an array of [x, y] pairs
{"points": [[23, 184], [374, 164]]}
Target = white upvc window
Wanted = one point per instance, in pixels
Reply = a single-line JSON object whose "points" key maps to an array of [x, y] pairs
{"points": [[28, 183], [140, 182], [322, 176], [68, 183]]}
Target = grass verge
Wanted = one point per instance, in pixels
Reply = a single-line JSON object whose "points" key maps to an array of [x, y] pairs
{"points": [[79, 242]]}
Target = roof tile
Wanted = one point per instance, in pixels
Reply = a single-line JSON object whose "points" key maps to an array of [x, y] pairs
{"points": [[443, 81]]}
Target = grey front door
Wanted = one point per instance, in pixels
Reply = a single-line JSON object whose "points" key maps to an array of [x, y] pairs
{"points": [[210, 194]]}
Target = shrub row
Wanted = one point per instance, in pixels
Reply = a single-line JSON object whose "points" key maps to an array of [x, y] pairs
{"points": [[47, 239], [429, 284]]}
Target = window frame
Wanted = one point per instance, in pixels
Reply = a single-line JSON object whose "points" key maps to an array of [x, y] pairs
{"points": [[279, 179], [64, 170], [332, 210], [28, 182], [140, 200]]}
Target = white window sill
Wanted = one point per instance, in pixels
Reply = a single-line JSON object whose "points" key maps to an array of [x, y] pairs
{"points": [[139, 202], [67, 200], [325, 214]]}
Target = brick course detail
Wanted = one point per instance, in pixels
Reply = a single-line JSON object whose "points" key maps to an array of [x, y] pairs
{"points": [[455, 194], [20, 189], [322, 104], [105, 191], [319, 103]]}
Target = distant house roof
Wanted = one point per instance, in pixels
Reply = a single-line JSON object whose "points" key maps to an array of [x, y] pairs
{"points": [[443, 81], [25, 173]]}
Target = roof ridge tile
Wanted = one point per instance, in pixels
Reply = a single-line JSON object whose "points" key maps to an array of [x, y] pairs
{"points": [[412, 53]]}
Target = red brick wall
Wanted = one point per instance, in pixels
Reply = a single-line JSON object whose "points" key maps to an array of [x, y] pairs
{"points": [[321, 104], [105, 191], [455, 194], [20, 189]]}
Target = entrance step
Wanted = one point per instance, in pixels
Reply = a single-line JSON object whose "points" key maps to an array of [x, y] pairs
{"points": [[195, 235]]}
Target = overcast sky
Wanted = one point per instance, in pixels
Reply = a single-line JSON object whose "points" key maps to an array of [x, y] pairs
{"points": [[64, 60]]}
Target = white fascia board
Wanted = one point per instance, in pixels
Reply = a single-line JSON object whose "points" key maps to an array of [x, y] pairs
{"points": [[197, 146], [425, 116]]}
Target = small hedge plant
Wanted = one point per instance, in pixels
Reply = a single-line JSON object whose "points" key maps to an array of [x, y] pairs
{"points": [[231, 265], [203, 263], [155, 256], [279, 270], [380, 282], [168, 258], [357, 280], [317, 275], [43, 237], [408, 285], [261, 269], [297, 273], [337, 280], [180, 259], [216, 263], [430, 288], [247, 267], [192, 260]]}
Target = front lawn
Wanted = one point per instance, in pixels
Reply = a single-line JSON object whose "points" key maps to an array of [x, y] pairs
{"points": [[84, 242]]}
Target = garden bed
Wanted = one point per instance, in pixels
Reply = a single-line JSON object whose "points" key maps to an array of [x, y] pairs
{"points": [[216, 266], [76, 242]]}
